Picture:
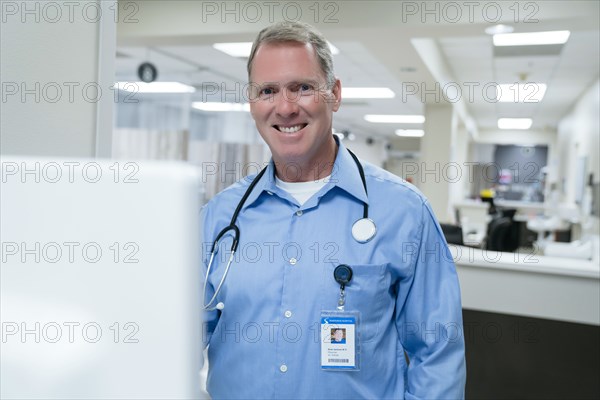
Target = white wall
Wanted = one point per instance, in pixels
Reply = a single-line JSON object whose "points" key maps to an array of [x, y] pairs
{"points": [[578, 134], [55, 50], [374, 153]]}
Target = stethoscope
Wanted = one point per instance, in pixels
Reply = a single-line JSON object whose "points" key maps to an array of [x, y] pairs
{"points": [[363, 230]]}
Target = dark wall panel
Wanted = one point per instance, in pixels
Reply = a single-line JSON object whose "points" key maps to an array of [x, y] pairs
{"points": [[511, 357]]}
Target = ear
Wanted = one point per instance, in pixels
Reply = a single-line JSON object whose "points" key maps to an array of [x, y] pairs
{"points": [[336, 90]]}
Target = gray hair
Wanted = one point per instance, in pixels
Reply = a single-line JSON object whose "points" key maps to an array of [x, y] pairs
{"points": [[300, 32]]}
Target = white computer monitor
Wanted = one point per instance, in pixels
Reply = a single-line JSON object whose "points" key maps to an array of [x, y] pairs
{"points": [[100, 284]]}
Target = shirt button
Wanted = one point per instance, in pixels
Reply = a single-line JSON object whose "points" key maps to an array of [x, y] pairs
{"points": [[283, 368], [299, 212], [288, 314], [269, 192], [293, 261]]}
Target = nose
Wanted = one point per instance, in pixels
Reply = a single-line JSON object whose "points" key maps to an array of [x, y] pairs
{"points": [[286, 104]]}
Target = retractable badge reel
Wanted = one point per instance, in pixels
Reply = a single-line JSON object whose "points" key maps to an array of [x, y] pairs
{"points": [[339, 330], [342, 275]]}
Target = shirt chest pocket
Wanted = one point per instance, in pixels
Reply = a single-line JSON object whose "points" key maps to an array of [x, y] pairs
{"points": [[366, 293]]}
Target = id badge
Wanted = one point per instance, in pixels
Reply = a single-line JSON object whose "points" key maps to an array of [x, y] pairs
{"points": [[340, 344]]}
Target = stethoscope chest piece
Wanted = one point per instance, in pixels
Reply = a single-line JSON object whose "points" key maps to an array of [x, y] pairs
{"points": [[364, 230]]}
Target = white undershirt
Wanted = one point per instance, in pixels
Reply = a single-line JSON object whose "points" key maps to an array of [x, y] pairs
{"points": [[302, 191]]}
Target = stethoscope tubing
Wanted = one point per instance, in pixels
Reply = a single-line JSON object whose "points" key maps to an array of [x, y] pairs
{"points": [[236, 235]]}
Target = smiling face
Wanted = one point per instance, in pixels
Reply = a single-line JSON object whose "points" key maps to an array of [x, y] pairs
{"points": [[293, 109]]}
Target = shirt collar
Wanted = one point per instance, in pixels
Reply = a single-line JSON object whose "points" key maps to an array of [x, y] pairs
{"points": [[345, 175], [266, 184]]}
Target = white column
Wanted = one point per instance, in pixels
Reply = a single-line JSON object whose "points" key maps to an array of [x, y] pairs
{"points": [[436, 154], [57, 71], [459, 172]]}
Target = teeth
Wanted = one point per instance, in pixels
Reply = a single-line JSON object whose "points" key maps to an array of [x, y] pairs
{"points": [[291, 129]]}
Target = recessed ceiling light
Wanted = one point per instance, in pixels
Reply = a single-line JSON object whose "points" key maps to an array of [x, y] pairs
{"points": [[220, 107], [514, 123], [237, 49], [410, 132], [243, 49], [530, 92], [395, 119], [497, 29], [155, 87], [531, 38], [367, 93]]}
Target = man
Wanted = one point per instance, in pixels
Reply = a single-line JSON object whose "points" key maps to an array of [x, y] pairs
{"points": [[399, 294], [338, 336]]}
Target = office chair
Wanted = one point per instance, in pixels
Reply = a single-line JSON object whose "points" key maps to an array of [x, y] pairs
{"points": [[453, 234], [502, 235]]}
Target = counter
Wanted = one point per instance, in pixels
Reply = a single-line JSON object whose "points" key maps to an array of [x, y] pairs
{"points": [[529, 285]]}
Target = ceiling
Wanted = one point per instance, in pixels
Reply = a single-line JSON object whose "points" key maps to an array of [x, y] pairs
{"points": [[406, 46]]}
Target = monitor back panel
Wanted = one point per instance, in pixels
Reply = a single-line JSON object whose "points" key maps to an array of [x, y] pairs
{"points": [[100, 285]]}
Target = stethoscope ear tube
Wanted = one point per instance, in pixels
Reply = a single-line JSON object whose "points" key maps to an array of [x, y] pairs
{"points": [[363, 230], [236, 240], [208, 306], [236, 237], [361, 172], [234, 245]]}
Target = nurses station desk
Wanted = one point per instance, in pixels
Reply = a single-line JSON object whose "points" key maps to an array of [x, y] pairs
{"points": [[530, 285], [531, 325]]}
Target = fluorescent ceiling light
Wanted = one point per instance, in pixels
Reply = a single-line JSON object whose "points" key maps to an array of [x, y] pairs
{"points": [[216, 106], [155, 87], [395, 119], [239, 49], [531, 38], [410, 132], [243, 49], [514, 123], [520, 92], [367, 93], [497, 29]]}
